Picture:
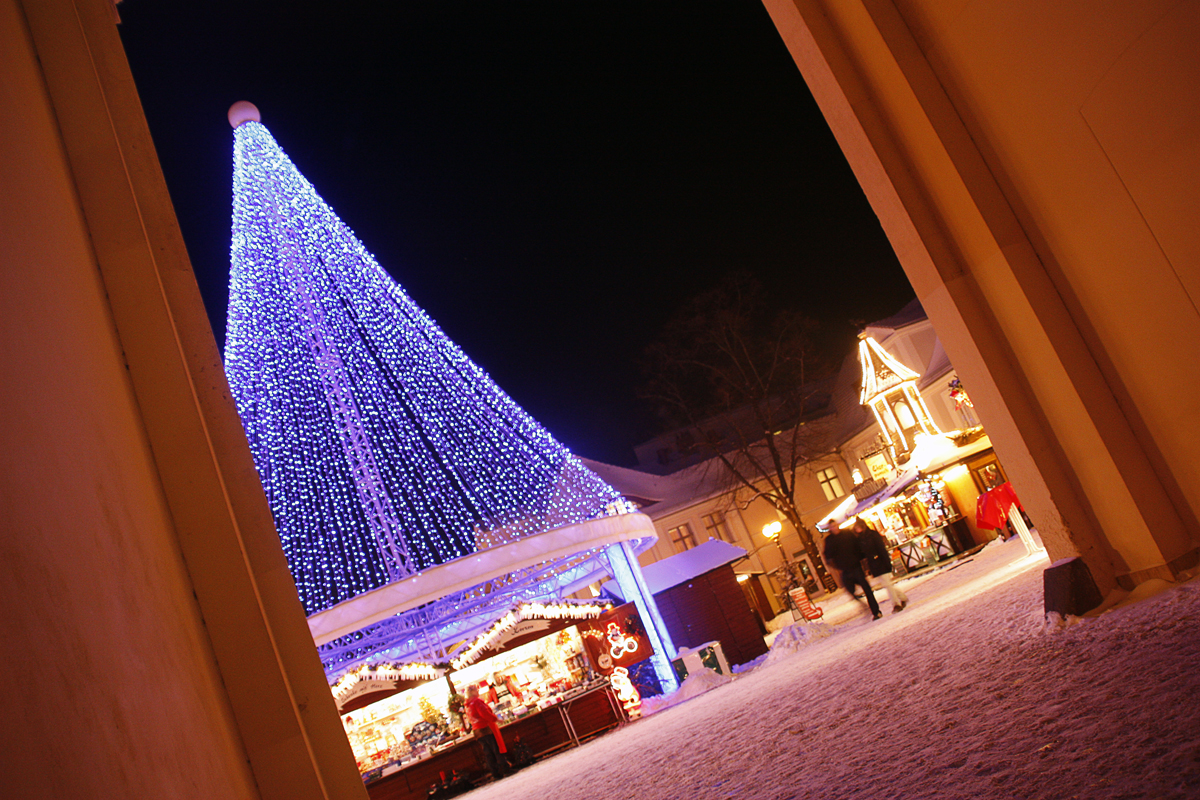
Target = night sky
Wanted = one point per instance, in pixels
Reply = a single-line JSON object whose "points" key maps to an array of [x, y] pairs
{"points": [[547, 179]]}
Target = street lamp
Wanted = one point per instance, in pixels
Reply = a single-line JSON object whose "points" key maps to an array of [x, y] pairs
{"points": [[772, 530], [786, 573]]}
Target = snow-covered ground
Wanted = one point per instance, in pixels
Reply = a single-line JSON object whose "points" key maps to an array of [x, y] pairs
{"points": [[967, 693]]}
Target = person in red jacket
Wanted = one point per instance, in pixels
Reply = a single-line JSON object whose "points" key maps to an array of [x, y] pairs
{"points": [[487, 730]]}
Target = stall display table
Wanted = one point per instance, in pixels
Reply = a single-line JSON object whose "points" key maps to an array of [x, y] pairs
{"points": [[924, 550], [576, 717]]}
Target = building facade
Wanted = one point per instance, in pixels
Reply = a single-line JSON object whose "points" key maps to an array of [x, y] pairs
{"points": [[924, 413]]}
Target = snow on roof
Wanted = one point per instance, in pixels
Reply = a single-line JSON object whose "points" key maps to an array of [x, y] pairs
{"points": [[664, 493], [852, 416], [939, 364], [676, 569], [912, 312], [632, 483]]}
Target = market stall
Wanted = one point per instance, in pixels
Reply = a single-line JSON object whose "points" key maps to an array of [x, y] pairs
{"points": [[550, 689], [922, 524], [575, 716]]}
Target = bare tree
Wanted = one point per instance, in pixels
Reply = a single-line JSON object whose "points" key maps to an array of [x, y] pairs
{"points": [[748, 391]]}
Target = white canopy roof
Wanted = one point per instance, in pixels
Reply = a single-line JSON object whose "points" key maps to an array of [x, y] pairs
{"points": [[681, 567]]}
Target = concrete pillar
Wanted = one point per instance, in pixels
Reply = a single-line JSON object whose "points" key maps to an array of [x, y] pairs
{"points": [[154, 645], [1034, 165]]}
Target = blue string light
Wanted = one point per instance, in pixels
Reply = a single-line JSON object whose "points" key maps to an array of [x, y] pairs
{"points": [[382, 448]]}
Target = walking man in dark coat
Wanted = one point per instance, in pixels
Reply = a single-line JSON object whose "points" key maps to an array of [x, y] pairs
{"points": [[844, 552], [879, 561]]}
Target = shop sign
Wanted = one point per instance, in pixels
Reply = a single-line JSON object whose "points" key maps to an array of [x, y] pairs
{"points": [[366, 687], [535, 628], [520, 633], [616, 638], [879, 466], [366, 692], [523, 632]]}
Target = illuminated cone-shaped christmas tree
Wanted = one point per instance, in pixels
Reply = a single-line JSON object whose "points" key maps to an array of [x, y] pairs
{"points": [[382, 448]]}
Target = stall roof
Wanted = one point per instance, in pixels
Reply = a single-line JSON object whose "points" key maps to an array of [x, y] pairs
{"points": [[947, 454], [676, 569], [897, 485]]}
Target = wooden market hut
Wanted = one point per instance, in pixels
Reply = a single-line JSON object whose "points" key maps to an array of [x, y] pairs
{"points": [[698, 595]]}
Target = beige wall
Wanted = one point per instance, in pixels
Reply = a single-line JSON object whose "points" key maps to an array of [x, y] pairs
{"points": [[964, 491], [153, 642], [694, 516], [1034, 164], [746, 520]]}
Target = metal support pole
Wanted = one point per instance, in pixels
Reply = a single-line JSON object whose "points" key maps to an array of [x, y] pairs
{"points": [[1018, 523], [623, 565]]}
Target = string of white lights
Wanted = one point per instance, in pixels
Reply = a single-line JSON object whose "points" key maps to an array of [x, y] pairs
{"points": [[384, 672], [526, 611], [382, 448]]}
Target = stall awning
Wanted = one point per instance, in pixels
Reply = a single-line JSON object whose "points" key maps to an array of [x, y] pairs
{"points": [[525, 623], [933, 453], [902, 482]]}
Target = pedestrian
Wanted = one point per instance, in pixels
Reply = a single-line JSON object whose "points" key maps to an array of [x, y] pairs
{"points": [[843, 551], [487, 730], [879, 561]]}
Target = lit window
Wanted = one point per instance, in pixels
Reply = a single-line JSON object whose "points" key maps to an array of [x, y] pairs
{"points": [[831, 483], [683, 537], [718, 527]]}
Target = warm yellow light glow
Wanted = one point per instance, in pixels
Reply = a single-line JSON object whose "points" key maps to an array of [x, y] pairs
{"points": [[383, 672], [843, 508], [879, 466], [927, 422], [955, 472], [928, 448], [771, 529], [743, 577], [880, 371], [879, 419]]}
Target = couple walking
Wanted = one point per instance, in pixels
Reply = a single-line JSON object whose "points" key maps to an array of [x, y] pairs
{"points": [[848, 549]]}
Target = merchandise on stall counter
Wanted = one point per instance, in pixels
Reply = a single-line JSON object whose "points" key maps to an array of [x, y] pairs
{"points": [[925, 506], [411, 725]]}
